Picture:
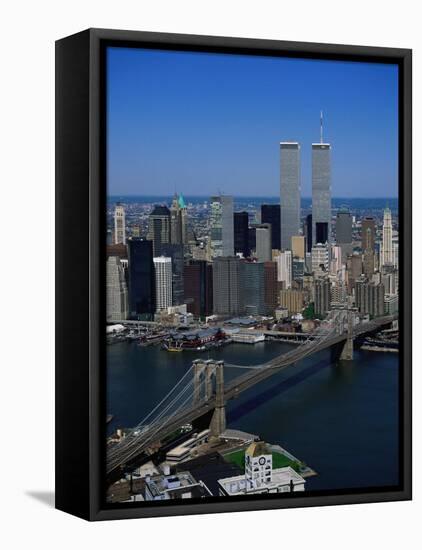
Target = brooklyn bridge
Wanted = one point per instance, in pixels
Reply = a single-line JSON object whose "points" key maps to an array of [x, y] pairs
{"points": [[202, 391]]}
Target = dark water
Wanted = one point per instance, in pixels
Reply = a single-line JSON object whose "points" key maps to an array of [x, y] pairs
{"points": [[341, 419]]}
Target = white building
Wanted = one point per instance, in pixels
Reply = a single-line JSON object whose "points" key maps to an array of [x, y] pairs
{"points": [[260, 477], [116, 290], [163, 283], [320, 259], [387, 255], [284, 268], [222, 226], [119, 225]]}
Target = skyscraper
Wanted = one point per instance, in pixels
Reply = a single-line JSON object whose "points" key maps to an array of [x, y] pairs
{"points": [[307, 230], [368, 233], [141, 278], [387, 256], [322, 296], [253, 288], [119, 225], [198, 288], [270, 213], [222, 226], [298, 246], [263, 242], [289, 192], [284, 268], [270, 279], [117, 295], [178, 220], [159, 227], [321, 191], [163, 283], [176, 253], [344, 232], [241, 233], [226, 285], [320, 259]]}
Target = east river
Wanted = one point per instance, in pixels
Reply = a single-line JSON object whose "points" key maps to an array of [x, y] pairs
{"points": [[341, 419]]}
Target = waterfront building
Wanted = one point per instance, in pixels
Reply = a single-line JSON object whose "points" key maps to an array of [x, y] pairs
{"points": [[178, 217], [119, 225], [226, 285], [263, 242], [270, 279], [163, 283], [289, 192], [369, 297], [320, 259], [292, 300], [321, 192], [198, 288], [176, 253], [141, 278], [387, 239], [252, 286], [368, 234], [241, 233], [260, 476], [176, 486], [322, 296], [391, 304], [284, 268], [116, 288], [344, 232], [159, 228], [270, 213], [222, 230]]}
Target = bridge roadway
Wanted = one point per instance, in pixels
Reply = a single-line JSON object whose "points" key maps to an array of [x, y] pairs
{"points": [[136, 443]]}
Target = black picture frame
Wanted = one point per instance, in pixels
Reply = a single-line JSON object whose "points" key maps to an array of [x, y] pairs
{"points": [[80, 266]]}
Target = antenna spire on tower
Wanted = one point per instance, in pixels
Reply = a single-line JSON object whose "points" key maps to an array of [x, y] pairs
{"points": [[320, 124]]}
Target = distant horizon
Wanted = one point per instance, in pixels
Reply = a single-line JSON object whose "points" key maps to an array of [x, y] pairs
{"points": [[126, 195]]}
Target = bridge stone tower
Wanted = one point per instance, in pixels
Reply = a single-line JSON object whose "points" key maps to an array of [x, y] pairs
{"points": [[347, 351], [204, 374]]}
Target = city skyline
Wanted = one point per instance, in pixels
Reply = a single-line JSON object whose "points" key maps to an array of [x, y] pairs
{"points": [[226, 138]]}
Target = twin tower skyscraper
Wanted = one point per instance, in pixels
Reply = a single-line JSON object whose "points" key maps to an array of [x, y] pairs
{"points": [[290, 184]]}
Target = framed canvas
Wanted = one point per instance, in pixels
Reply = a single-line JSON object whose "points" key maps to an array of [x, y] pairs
{"points": [[233, 277]]}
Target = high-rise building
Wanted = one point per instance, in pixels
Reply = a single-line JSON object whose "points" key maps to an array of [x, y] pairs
{"points": [[270, 213], [292, 300], [368, 233], [387, 256], [159, 228], [119, 225], [369, 297], [263, 242], [320, 259], [336, 259], [226, 285], [270, 280], [284, 268], [141, 278], [322, 296], [117, 295], [252, 239], [252, 288], [298, 246], [198, 288], [354, 268], [241, 233], [298, 269], [178, 220], [368, 262], [321, 192], [163, 283], [222, 226], [176, 253], [289, 192], [344, 232], [307, 231]]}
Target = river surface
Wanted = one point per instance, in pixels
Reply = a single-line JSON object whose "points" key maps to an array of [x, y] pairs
{"points": [[341, 419]]}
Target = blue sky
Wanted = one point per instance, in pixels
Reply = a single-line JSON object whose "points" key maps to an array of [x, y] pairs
{"points": [[200, 123]]}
